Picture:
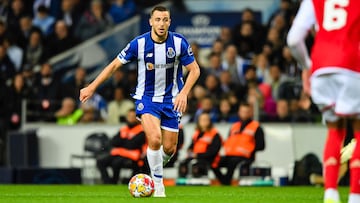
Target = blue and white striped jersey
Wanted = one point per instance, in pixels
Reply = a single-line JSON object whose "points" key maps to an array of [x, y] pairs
{"points": [[160, 76]]}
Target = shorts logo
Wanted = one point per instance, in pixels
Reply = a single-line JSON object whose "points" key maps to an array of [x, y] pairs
{"points": [[149, 66], [140, 107], [170, 52]]}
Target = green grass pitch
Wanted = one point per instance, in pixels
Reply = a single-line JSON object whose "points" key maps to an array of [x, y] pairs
{"points": [[175, 194]]}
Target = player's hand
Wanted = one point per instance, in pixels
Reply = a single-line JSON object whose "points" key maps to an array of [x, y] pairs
{"points": [[180, 103], [86, 93], [306, 81]]}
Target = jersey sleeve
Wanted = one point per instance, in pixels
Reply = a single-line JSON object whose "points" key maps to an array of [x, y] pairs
{"points": [[304, 20], [129, 53], [187, 55]]}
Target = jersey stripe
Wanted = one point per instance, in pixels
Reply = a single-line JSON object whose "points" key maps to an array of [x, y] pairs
{"points": [[149, 68], [140, 88], [177, 67], [160, 73]]}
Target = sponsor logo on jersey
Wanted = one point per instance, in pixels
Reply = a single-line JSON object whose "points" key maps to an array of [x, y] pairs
{"points": [[149, 66]]}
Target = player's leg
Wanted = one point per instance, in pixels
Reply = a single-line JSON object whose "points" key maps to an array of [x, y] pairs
{"points": [[169, 143], [328, 93], [151, 125], [335, 138], [355, 166], [170, 129]]}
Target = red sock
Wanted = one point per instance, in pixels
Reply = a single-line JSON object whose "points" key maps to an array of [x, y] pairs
{"points": [[332, 157], [355, 166]]}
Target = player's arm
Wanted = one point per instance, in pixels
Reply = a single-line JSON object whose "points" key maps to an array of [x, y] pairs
{"points": [[181, 99], [303, 22], [88, 91]]}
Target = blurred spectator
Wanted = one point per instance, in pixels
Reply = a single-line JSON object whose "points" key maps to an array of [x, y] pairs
{"points": [[289, 65], [97, 106], [16, 11], [4, 9], [226, 84], [69, 14], [256, 99], [261, 62], [61, 40], [26, 28], [118, 79], [35, 50], [44, 20], [93, 21], [46, 93], [72, 88], [303, 109], [285, 10], [17, 92], [203, 151], [218, 48], [68, 114], [279, 23], [52, 5], [225, 36], [226, 114], [15, 53], [118, 107], [276, 79], [3, 30], [215, 66], [7, 68], [245, 40], [248, 16], [29, 76], [204, 72], [282, 113], [207, 106], [194, 98], [245, 138], [268, 52], [234, 64], [273, 37], [212, 86], [128, 151], [121, 10], [4, 120]]}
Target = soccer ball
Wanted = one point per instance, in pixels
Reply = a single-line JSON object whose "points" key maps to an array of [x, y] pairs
{"points": [[141, 185]]}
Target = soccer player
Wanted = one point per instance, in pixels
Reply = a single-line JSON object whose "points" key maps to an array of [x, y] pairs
{"points": [[161, 94], [334, 68]]}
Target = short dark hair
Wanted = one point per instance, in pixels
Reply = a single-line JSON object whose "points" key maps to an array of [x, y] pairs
{"points": [[159, 8]]}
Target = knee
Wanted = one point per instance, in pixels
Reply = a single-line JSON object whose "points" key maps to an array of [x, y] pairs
{"points": [[154, 141], [169, 148]]}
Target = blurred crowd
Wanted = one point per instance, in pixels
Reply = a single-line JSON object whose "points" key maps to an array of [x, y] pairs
{"points": [[249, 62]]}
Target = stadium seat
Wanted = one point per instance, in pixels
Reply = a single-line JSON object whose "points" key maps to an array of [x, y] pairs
{"points": [[95, 144]]}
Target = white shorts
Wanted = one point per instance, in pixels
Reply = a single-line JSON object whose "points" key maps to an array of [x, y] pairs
{"points": [[336, 95]]}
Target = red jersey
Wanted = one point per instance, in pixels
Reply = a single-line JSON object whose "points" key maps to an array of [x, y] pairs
{"points": [[337, 42]]}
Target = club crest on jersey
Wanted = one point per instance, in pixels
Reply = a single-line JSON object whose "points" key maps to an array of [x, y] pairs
{"points": [[170, 52], [149, 66], [190, 52], [140, 107]]}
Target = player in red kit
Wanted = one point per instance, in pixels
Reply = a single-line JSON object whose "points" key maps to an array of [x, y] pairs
{"points": [[334, 74]]}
